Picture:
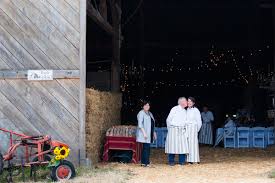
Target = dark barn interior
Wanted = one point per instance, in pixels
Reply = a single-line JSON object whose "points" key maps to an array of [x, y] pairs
{"points": [[220, 52]]}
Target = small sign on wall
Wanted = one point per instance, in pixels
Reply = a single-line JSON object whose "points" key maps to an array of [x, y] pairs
{"points": [[40, 75]]}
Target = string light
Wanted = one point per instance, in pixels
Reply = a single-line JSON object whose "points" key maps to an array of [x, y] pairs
{"points": [[132, 76], [215, 60]]}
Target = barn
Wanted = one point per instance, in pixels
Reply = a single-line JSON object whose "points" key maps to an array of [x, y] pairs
{"points": [[43, 67], [52, 50]]}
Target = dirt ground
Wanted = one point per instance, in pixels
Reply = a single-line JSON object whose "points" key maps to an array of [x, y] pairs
{"points": [[218, 165]]}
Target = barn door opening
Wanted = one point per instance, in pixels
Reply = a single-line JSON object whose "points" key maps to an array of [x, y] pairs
{"points": [[103, 45], [103, 98]]}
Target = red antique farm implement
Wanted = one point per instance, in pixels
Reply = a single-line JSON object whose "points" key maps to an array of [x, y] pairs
{"points": [[35, 151]]}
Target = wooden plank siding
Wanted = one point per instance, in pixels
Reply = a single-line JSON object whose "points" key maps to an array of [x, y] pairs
{"points": [[41, 34], [46, 27], [3, 65], [41, 40], [9, 59], [75, 4]]}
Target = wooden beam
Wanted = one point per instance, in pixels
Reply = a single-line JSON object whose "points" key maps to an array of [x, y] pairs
{"points": [[273, 24], [103, 9], [57, 74], [272, 84], [82, 94], [115, 76], [141, 47], [118, 8], [98, 19]]}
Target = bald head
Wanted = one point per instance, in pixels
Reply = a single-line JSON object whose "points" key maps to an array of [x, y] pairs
{"points": [[182, 101]]}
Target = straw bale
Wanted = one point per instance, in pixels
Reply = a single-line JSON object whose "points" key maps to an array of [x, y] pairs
{"points": [[103, 111], [122, 131]]}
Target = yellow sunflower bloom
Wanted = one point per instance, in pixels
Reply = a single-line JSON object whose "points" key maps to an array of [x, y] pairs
{"points": [[56, 151], [67, 153], [58, 157], [61, 153], [64, 152]]}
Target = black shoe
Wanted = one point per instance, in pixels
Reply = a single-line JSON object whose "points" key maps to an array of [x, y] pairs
{"points": [[171, 164]]}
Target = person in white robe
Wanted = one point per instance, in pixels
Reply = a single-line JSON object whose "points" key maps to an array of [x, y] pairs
{"points": [[194, 124], [228, 129], [176, 140], [229, 123], [206, 132]]}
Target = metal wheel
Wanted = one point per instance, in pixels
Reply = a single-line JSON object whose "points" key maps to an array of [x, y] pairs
{"points": [[64, 171]]}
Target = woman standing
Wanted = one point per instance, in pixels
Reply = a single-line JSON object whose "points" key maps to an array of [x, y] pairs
{"points": [[145, 132], [206, 132], [193, 127]]}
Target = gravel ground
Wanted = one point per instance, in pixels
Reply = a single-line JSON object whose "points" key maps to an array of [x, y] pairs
{"points": [[218, 165]]}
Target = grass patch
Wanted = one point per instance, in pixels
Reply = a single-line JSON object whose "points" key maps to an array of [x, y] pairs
{"points": [[272, 174], [102, 174], [42, 175], [83, 174]]}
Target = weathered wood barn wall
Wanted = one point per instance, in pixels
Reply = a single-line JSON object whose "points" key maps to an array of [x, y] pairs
{"points": [[42, 34]]}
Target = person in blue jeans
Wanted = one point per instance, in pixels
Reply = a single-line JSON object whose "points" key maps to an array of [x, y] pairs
{"points": [[176, 141], [145, 132], [171, 159]]}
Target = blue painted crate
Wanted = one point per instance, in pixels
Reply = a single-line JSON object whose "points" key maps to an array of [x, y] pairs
{"points": [[164, 135], [159, 137], [270, 136], [258, 135], [243, 137], [154, 144], [230, 138]]}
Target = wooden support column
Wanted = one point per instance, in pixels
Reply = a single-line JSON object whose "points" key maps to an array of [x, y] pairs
{"points": [[141, 50], [82, 94], [116, 22], [251, 90], [103, 9], [272, 85], [273, 14]]}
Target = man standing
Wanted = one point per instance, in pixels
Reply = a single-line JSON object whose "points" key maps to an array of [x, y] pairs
{"points": [[176, 141], [206, 132]]}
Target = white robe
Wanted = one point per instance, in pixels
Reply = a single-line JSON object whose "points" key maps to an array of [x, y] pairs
{"points": [[207, 117], [206, 132], [176, 140], [194, 124], [176, 117], [230, 123]]}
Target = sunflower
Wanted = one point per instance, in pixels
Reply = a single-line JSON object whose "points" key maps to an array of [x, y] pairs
{"points": [[56, 151], [58, 157], [64, 152], [67, 153]]}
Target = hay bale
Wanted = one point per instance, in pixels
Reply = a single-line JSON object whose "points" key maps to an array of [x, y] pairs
{"points": [[103, 111], [122, 131]]}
